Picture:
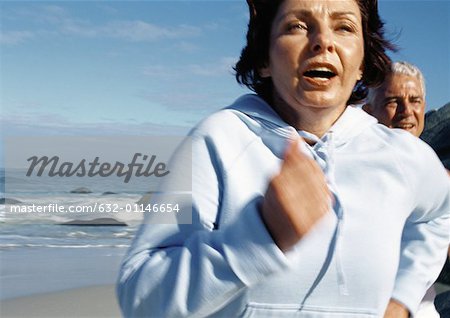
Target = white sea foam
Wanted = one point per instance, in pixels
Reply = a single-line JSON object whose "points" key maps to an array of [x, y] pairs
{"points": [[79, 234], [9, 246], [43, 230], [121, 234]]}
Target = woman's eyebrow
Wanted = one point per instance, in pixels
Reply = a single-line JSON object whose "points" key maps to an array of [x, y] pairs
{"points": [[309, 13], [296, 13], [339, 14]]}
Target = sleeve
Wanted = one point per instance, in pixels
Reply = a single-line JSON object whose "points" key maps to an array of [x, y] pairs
{"points": [[178, 270], [426, 234]]}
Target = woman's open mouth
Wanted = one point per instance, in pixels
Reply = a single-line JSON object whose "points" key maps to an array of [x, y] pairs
{"points": [[319, 73], [319, 76]]}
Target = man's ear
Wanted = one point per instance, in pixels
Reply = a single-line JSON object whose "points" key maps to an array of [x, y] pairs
{"points": [[366, 107]]}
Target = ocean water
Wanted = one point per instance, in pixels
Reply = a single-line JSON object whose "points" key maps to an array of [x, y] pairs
{"points": [[40, 254], [21, 229]]}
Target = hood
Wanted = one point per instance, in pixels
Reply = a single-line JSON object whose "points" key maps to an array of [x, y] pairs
{"points": [[351, 123]]}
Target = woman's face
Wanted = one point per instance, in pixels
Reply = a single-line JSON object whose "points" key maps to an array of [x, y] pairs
{"points": [[316, 52]]}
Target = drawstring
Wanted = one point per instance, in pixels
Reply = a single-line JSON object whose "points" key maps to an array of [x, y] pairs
{"points": [[325, 159], [340, 215], [340, 271]]}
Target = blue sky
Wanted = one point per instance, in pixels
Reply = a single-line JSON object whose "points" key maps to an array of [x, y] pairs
{"points": [[158, 67]]}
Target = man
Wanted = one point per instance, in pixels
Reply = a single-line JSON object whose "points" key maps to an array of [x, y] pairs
{"points": [[400, 101]]}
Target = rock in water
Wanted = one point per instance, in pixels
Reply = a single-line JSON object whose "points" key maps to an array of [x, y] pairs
{"points": [[9, 201], [108, 193], [81, 190]]}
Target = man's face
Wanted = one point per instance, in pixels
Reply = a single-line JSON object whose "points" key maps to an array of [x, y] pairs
{"points": [[400, 104]]}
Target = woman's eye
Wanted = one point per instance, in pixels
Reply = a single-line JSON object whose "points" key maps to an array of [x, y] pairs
{"points": [[346, 28], [296, 26]]}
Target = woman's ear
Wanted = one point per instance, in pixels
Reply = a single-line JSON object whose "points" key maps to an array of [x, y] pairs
{"points": [[264, 72]]}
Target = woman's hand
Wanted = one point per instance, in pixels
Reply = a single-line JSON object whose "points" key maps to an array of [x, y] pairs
{"points": [[296, 198], [396, 310]]}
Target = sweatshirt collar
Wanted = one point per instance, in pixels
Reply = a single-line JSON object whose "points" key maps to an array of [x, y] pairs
{"points": [[352, 122]]}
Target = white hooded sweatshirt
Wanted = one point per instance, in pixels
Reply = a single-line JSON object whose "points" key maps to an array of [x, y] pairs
{"points": [[386, 236]]}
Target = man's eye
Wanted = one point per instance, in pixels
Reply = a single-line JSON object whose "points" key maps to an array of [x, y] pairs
{"points": [[391, 104]]}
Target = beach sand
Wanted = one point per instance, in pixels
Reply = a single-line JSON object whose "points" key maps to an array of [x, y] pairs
{"points": [[97, 301]]}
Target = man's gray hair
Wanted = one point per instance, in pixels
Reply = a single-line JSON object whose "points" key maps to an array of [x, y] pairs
{"points": [[403, 68]]}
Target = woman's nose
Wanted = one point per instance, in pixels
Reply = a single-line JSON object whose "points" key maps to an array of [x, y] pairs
{"points": [[322, 40]]}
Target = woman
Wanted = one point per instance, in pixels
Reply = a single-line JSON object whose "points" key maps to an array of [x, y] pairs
{"points": [[302, 206]]}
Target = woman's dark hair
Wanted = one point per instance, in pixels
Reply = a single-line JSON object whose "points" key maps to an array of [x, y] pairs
{"points": [[255, 55]]}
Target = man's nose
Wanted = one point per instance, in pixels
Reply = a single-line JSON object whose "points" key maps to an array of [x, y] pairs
{"points": [[406, 108]]}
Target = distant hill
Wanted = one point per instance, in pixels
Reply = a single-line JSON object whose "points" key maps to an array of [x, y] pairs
{"points": [[437, 132]]}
